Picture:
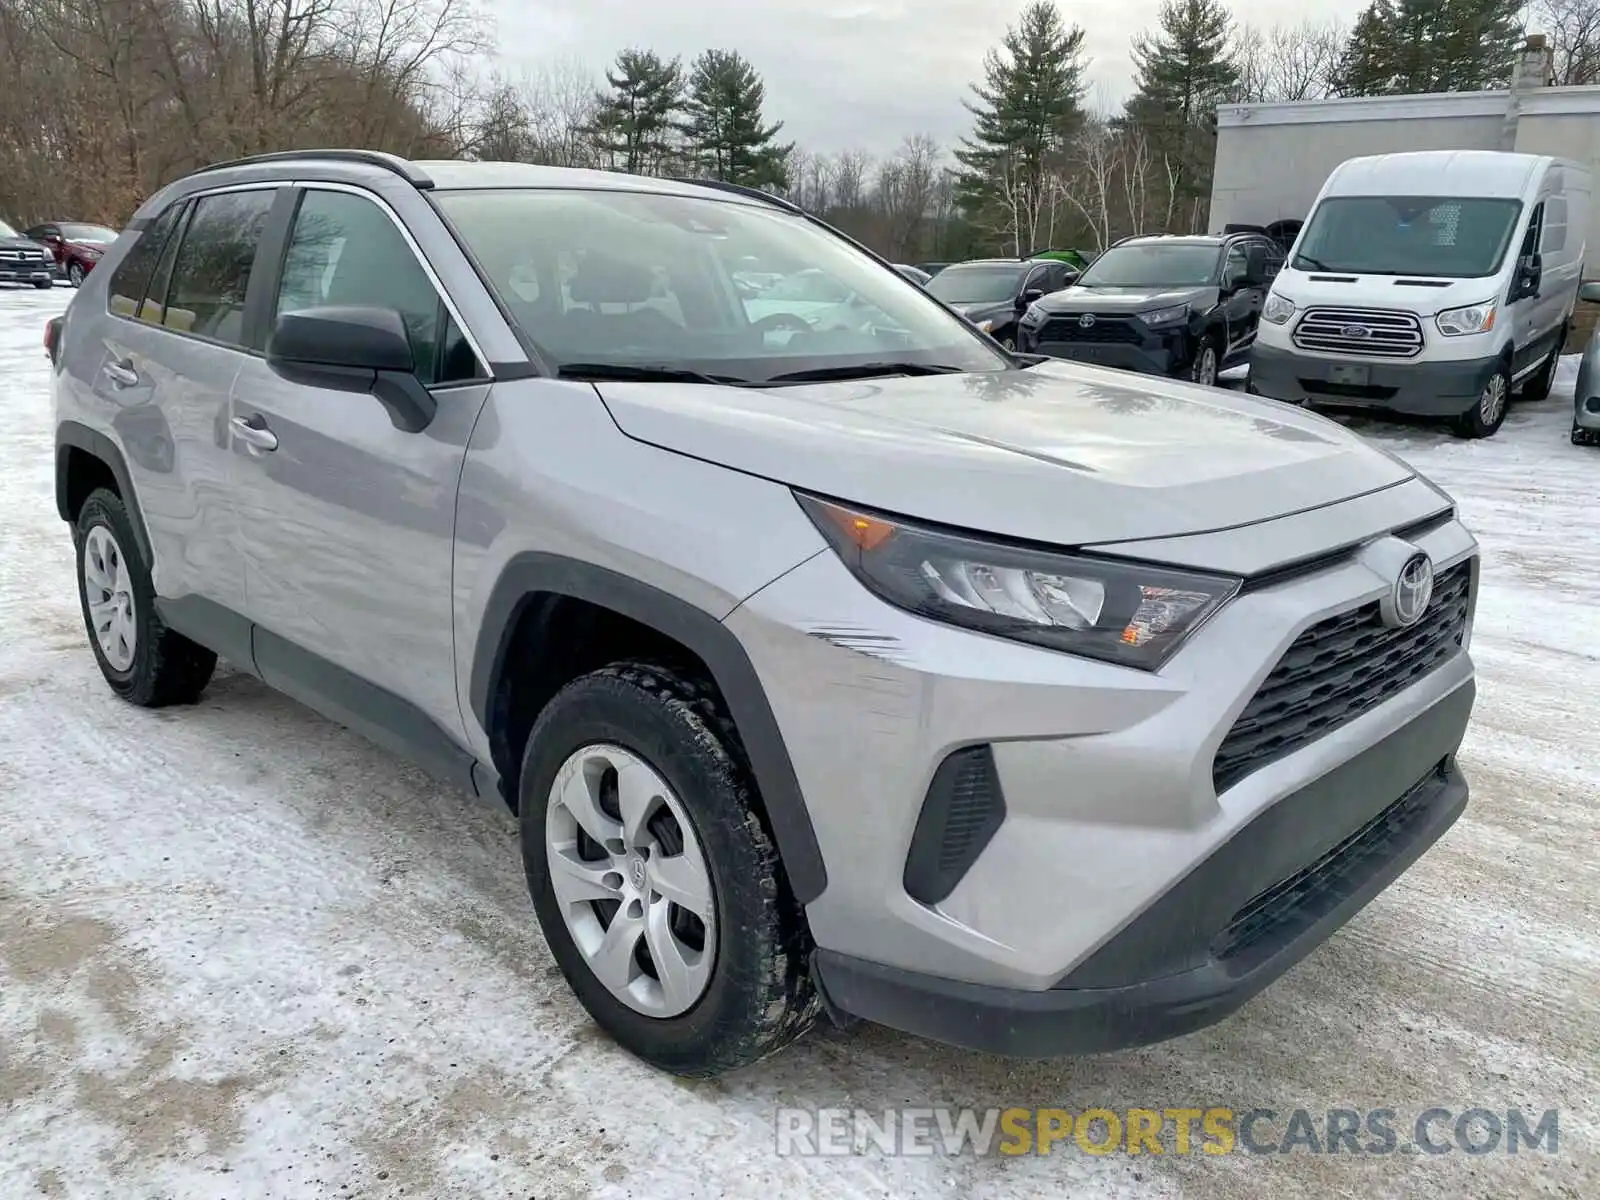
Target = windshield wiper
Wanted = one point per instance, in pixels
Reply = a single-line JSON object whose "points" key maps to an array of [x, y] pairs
{"points": [[643, 373], [1315, 264], [864, 371]]}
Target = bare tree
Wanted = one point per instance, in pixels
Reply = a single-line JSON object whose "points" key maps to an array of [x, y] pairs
{"points": [[1573, 27], [906, 184], [1287, 62]]}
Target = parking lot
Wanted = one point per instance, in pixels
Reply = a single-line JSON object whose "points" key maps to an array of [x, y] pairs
{"points": [[244, 954]]}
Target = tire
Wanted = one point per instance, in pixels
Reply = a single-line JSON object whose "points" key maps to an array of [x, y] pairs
{"points": [[755, 995], [1537, 386], [1584, 437], [42, 284], [1205, 365], [1485, 417], [161, 666], [75, 275]]}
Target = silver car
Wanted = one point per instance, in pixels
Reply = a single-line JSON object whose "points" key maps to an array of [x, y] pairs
{"points": [[870, 671], [1586, 395]]}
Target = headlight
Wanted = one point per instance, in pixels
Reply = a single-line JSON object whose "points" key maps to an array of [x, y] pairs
{"points": [[1166, 316], [1277, 310], [1034, 316], [1470, 318], [986, 326], [1127, 613]]}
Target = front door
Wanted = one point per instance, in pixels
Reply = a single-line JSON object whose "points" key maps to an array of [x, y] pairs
{"points": [[347, 523]]}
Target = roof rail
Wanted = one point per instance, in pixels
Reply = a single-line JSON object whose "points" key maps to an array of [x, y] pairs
{"points": [[739, 189], [371, 158]]}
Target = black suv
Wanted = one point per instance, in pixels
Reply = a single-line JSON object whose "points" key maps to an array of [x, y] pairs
{"points": [[1163, 305], [993, 293]]}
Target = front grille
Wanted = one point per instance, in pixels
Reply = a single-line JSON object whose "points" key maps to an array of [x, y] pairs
{"points": [[1369, 332], [1338, 669], [1278, 914], [1104, 329]]}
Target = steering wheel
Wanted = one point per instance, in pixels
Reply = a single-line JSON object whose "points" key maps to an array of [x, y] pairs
{"points": [[780, 323]]}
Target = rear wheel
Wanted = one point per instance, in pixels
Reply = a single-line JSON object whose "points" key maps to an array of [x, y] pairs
{"points": [[1485, 417], [145, 662], [41, 284], [659, 890], [75, 274], [1537, 386], [1584, 437]]}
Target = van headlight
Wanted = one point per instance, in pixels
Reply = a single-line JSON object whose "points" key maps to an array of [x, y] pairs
{"points": [[1129, 613], [1470, 318], [1277, 310]]}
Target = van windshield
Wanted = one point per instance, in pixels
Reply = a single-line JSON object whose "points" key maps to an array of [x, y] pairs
{"points": [[1453, 237]]}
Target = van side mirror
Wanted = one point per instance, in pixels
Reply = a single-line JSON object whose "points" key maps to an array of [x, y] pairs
{"points": [[1529, 272], [353, 349]]}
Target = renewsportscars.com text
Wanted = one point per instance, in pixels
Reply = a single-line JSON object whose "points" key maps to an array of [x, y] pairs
{"points": [[1210, 1131]]}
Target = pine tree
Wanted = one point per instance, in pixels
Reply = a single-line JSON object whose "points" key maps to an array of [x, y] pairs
{"points": [[636, 120], [1413, 46], [1025, 112], [1181, 73], [723, 124]]}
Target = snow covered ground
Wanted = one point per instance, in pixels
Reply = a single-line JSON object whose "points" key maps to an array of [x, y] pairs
{"points": [[243, 954]]}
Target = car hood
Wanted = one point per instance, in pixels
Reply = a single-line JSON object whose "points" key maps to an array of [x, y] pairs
{"points": [[1108, 299], [1060, 453], [1422, 294], [22, 243]]}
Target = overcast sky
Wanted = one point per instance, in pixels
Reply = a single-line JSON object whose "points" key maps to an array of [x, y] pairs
{"points": [[847, 74]]}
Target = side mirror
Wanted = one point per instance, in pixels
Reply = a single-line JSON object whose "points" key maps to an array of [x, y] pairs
{"points": [[1255, 268], [1529, 272], [353, 349], [1590, 292], [1029, 296]]}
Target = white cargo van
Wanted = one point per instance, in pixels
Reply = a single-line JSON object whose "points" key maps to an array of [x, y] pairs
{"points": [[1434, 282]]}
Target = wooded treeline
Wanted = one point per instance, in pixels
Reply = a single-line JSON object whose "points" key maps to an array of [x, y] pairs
{"points": [[108, 99]]}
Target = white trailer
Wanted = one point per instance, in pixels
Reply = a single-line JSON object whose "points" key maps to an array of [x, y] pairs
{"points": [[1272, 159]]}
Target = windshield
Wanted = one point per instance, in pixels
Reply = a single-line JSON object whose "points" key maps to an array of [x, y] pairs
{"points": [[1452, 237], [1154, 265], [976, 285], [95, 234], [638, 280], [7, 231]]}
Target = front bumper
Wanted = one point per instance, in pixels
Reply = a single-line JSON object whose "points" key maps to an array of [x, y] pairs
{"points": [[1358, 828], [1124, 343], [1111, 798], [1429, 388], [12, 271]]}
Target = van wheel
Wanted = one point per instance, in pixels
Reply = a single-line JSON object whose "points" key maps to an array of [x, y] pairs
{"points": [[1485, 417], [144, 662], [1537, 386], [659, 890]]}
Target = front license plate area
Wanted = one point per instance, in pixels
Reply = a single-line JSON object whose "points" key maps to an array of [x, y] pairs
{"points": [[1350, 374]]}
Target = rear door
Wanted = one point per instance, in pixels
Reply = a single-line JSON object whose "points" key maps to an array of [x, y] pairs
{"points": [[347, 522], [175, 338]]}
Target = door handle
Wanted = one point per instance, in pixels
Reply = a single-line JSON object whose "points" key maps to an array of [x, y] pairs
{"points": [[122, 373], [257, 438]]}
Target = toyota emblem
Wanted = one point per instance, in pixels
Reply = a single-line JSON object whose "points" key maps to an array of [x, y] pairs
{"points": [[1086, 320], [1413, 588]]}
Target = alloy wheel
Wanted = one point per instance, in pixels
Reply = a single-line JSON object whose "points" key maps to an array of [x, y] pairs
{"points": [[1492, 403], [1205, 366], [631, 879], [108, 590]]}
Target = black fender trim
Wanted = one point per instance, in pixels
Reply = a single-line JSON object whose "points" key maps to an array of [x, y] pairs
{"points": [[531, 573], [77, 436]]}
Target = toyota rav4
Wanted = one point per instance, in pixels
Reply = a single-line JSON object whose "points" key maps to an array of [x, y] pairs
{"points": [[868, 670]]}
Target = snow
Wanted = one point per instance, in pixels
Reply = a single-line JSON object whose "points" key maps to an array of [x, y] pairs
{"points": [[243, 954]]}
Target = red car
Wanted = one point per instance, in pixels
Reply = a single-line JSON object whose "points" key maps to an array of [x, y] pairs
{"points": [[76, 246]]}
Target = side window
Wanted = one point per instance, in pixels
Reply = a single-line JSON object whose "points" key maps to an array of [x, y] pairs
{"points": [[153, 309], [132, 276], [345, 250], [1234, 263], [1530, 240], [212, 270], [1554, 237]]}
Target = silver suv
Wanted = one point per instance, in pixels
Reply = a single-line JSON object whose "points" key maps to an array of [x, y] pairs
{"points": [[834, 660]]}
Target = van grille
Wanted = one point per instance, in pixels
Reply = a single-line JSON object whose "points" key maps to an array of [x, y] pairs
{"points": [[1371, 332], [1338, 669]]}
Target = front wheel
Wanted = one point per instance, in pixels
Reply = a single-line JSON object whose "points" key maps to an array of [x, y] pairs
{"points": [[1584, 437], [75, 274], [658, 888], [1203, 367], [42, 284], [1485, 417]]}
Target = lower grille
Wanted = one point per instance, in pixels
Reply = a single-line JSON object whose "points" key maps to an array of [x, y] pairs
{"points": [[963, 809], [1278, 914], [1339, 669]]}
